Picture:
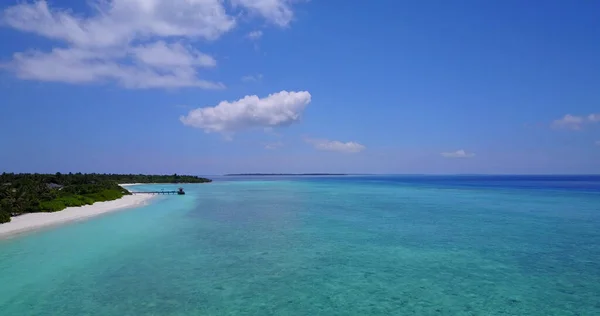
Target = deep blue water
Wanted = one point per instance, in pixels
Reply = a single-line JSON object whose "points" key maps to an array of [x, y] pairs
{"points": [[354, 245]]}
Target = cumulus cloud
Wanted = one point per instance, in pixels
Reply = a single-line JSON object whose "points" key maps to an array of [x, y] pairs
{"points": [[574, 122], [254, 35], [120, 21], [138, 44], [277, 109], [461, 153], [337, 146]]}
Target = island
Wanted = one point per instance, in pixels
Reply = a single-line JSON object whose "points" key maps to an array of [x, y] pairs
{"points": [[45, 193], [285, 174]]}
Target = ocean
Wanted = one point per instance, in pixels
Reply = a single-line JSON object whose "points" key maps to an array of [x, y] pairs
{"points": [[353, 245]]}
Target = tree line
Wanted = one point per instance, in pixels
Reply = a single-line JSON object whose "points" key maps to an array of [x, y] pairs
{"points": [[31, 193]]}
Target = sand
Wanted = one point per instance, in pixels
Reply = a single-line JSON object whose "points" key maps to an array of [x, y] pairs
{"points": [[35, 221]]}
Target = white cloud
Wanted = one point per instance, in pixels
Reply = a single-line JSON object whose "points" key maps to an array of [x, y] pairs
{"points": [[86, 66], [254, 35], [594, 117], [118, 22], [576, 122], [334, 145], [274, 145], [461, 153], [278, 12], [137, 43], [252, 78], [569, 122], [278, 109], [163, 55]]}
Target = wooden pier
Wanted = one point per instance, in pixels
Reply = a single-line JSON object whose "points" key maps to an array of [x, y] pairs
{"points": [[178, 192]]}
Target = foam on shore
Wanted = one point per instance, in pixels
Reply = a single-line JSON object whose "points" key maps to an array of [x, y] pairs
{"points": [[34, 221]]}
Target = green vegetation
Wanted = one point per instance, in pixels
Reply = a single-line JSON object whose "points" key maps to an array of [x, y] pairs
{"points": [[4, 217], [30, 193]]}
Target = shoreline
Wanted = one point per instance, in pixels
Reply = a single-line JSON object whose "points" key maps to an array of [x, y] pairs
{"points": [[36, 221]]}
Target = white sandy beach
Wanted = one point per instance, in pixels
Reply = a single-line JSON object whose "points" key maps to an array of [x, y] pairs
{"points": [[34, 221]]}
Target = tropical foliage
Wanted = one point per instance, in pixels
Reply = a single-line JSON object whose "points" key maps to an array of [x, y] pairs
{"points": [[30, 193]]}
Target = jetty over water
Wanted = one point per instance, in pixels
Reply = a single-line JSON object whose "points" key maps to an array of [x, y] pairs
{"points": [[178, 192]]}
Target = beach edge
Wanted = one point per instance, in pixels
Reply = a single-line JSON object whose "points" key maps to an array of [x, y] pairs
{"points": [[36, 221]]}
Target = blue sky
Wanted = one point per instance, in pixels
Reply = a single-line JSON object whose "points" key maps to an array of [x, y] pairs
{"points": [[300, 86]]}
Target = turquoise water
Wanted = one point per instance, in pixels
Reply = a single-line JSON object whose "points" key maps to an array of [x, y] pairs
{"points": [[322, 246]]}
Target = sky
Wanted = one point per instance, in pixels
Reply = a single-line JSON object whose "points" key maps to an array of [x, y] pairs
{"points": [[232, 86]]}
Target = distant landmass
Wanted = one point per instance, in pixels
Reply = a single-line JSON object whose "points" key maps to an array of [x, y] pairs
{"points": [[286, 174]]}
